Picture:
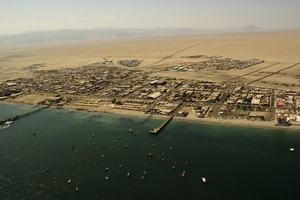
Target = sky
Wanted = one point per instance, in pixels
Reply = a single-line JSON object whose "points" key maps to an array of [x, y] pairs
{"points": [[18, 16]]}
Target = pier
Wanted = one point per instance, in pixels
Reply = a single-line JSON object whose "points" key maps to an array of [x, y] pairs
{"points": [[13, 118], [156, 130]]}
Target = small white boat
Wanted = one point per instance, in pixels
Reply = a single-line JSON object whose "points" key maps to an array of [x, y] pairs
{"points": [[292, 149], [128, 174], [106, 178], [130, 130], [204, 180], [8, 122], [150, 155], [69, 181]]}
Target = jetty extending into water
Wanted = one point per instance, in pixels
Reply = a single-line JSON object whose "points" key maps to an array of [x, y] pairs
{"points": [[13, 118], [156, 130]]}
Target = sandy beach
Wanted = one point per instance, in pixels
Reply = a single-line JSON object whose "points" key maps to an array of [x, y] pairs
{"points": [[190, 118], [109, 109]]}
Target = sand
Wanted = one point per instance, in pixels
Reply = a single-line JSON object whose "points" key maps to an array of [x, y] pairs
{"points": [[190, 118], [279, 50], [33, 99], [276, 47]]}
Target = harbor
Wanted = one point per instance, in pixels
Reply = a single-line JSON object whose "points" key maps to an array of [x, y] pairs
{"points": [[156, 130], [77, 155], [9, 120]]}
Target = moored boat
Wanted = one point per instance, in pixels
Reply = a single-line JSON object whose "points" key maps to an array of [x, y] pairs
{"points": [[183, 174]]}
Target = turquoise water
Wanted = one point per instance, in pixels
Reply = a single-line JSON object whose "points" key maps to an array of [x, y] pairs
{"points": [[239, 163]]}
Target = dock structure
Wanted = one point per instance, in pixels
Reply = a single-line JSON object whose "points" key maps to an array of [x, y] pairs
{"points": [[13, 118], [156, 130]]}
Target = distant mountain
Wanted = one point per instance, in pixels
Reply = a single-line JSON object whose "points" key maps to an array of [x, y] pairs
{"points": [[245, 29], [42, 36], [99, 33], [252, 28]]}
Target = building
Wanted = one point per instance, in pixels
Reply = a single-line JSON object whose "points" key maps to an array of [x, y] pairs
{"points": [[280, 103], [297, 102], [154, 95], [158, 82], [282, 120]]}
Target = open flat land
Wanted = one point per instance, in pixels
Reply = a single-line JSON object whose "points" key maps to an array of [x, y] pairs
{"points": [[279, 50]]}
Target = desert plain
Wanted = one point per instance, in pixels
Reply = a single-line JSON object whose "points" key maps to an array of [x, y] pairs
{"points": [[280, 51]]}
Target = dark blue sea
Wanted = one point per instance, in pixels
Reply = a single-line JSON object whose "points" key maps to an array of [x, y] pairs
{"points": [[40, 153]]}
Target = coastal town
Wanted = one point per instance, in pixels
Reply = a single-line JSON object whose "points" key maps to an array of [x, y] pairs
{"points": [[100, 85]]}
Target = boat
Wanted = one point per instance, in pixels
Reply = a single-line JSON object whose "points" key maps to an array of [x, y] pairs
{"points": [[183, 174], [8, 122], [204, 180], [69, 181], [292, 149], [106, 178], [128, 174], [150, 155], [130, 130]]}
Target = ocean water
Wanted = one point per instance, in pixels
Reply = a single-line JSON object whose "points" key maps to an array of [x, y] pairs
{"points": [[39, 154]]}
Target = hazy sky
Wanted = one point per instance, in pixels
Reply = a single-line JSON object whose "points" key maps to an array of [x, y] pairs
{"points": [[25, 15]]}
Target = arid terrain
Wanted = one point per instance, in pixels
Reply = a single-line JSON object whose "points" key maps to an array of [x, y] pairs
{"points": [[279, 50], [220, 77]]}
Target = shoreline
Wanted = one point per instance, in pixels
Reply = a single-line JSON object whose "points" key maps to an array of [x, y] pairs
{"points": [[189, 119]]}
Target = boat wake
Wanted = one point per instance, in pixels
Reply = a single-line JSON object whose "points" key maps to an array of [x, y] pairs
{"points": [[241, 149], [4, 126]]}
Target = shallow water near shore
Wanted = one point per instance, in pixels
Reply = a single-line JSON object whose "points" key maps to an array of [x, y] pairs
{"points": [[40, 153]]}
